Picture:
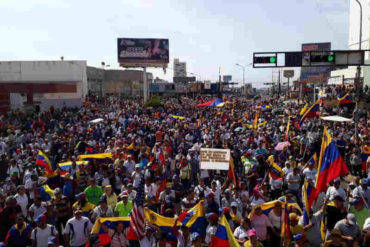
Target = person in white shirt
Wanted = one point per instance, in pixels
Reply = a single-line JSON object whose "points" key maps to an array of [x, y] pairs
{"points": [[310, 172], [362, 192], [41, 234], [241, 232], [148, 240], [335, 191], [129, 164], [77, 230], [36, 209], [136, 176], [22, 199]]}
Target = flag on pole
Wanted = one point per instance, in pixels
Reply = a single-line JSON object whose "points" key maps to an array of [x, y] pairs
{"points": [[331, 164], [287, 130], [137, 222], [310, 112], [231, 173], [308, 193], [286, 235], [224, 236], [44, 161]]}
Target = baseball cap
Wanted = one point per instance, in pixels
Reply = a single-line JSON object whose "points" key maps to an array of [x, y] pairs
{"points": [[57, 191], [212, 216], [194, 236], [252, 232], [337, 180], [234, 204], [351, 219], [40, 218]]}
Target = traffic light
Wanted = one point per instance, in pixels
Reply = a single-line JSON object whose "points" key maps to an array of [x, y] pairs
{"points": [[322, 58], [270, 59]]}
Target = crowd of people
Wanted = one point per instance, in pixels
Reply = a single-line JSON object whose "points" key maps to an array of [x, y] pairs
{"points": [[161, 146]]}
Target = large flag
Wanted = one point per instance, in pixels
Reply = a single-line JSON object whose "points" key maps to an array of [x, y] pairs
{"points": [[286, 235], [137, 221], [111, 223], [310, 112], [95, 156], [46, 193], [287, 130], [308, 196], [195, 219], [65, 166], [303, 110], [275, 171], [346, 99], [214, 102], [165, 224], [44, 161], [231, 173], [331, 164], [224, 236], [365, 153], [268, 206]]}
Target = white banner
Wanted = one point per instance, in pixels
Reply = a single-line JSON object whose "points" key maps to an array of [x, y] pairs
{"points": [[214, 159]]}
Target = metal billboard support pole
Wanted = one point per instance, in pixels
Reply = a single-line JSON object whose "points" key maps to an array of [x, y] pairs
{"points": [[357, 82], [145, 85]]}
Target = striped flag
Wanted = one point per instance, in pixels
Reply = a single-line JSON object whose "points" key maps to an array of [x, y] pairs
{"points": [[137, 222]]}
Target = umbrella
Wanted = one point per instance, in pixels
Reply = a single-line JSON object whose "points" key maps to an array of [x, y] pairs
{"points": [[98, 120], [281, 145], [238, 129], [336, 119]]}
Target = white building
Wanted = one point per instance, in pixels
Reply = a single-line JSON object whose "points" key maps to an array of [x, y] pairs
{"points": [[179, 68], [42, 84], [348, 75]]}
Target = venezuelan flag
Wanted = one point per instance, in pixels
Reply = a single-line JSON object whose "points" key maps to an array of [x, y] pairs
{"points": [[346, 99], [194, 218], [268, 206], [311, 112], [231, 173], [308, 193], [313, 160], [46, 193], [331, 164], [65, 166], [214, 102], [166, 224], [111, 223], [43, 160], [287, 130], [95, 156], [262, 125], [303, 110], [224, 236], [365, 153], [178, 117], [255, 121], [285, 227], [275, 171]]}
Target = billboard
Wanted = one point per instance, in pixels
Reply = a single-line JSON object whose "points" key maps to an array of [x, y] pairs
{"points": [[207, 85], [183, 79], [227, 78], [143, 52], [288, 73], [315, 74]]}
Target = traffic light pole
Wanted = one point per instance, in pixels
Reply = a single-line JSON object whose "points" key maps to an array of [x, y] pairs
{"points": [[356, 115], [279, 88]]}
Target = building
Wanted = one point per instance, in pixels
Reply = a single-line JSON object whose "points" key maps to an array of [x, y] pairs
{"points": [[348, 75], [119, 82], [179, 68], [41, 84], [37, 85]]}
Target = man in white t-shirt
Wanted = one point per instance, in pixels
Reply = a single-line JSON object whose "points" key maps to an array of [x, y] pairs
{"points": [[310, 172], [36, 209], [77, 231], [41, 234]]}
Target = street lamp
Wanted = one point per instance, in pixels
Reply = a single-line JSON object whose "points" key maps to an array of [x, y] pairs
{"points": [[357, 82], [243, 67]]}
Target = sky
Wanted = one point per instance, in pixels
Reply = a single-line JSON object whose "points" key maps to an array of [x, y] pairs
{"points": [[207, 34]]}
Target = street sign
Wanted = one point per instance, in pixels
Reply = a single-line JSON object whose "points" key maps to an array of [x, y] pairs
{"points": [[335, 58], [268, 83], [288, 73]]}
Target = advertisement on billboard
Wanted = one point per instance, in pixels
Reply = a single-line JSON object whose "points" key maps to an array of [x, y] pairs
{"points": [[315, 74], [143, 52]]}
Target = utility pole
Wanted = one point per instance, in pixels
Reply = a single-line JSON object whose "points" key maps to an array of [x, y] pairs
{"points": [[357, 83], [219, 83], [279, 88]]}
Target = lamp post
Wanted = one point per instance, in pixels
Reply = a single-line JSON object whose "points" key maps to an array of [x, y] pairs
{"points": [[357, 82], [243, 67]]}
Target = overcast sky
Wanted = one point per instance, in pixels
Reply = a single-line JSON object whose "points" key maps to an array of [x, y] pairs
{"points": [[207, 34]]}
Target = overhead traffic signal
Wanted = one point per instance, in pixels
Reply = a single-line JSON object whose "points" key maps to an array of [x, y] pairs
{"points": [[322, 58], [269, 59]]}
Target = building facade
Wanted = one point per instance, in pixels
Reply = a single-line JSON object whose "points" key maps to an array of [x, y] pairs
{"points": [[179, 68]]}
